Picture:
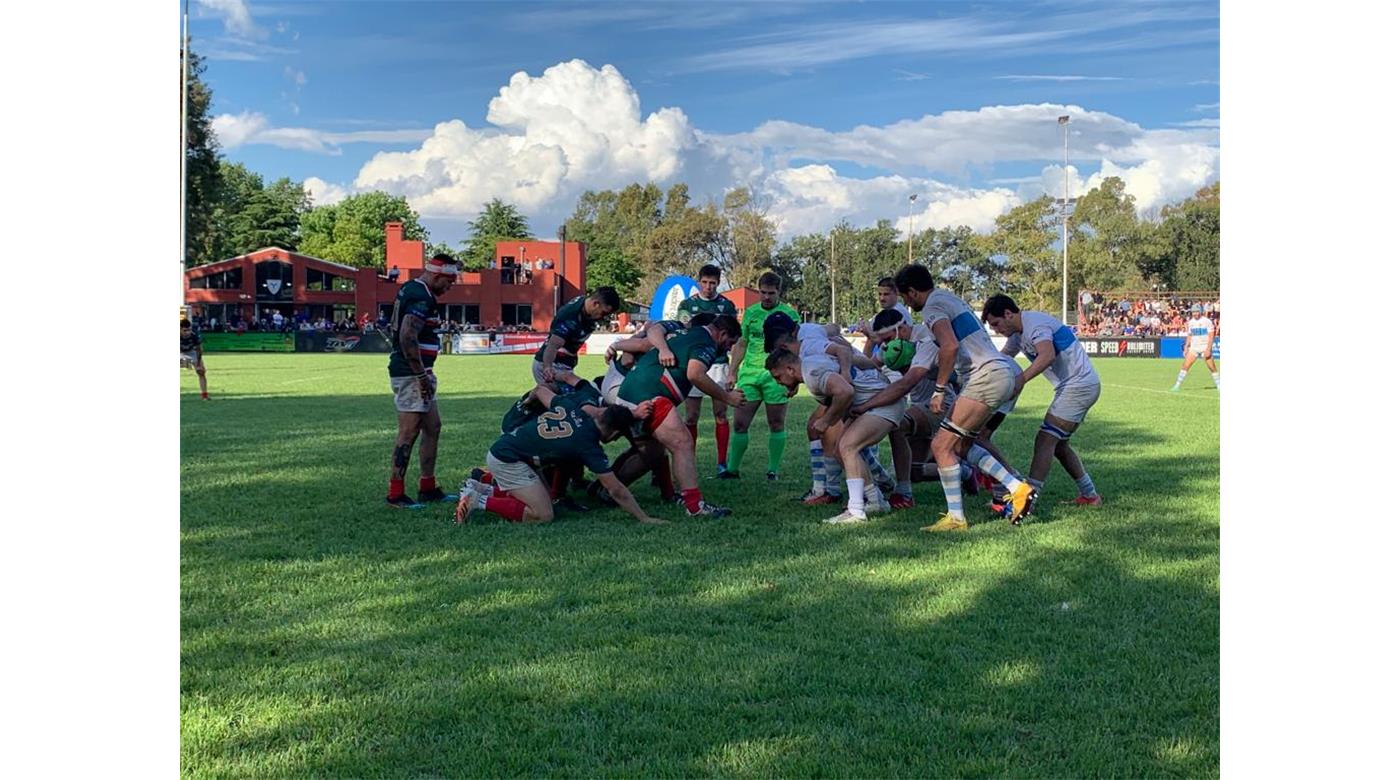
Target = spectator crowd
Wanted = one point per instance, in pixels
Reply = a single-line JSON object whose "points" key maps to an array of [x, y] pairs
{"points": [[1141, 314]]}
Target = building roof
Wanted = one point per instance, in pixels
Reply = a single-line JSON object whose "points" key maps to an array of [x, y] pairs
{"points": [[348, 268]]}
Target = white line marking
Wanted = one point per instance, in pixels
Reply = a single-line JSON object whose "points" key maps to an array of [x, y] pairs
{"points": [[1178, 394]]}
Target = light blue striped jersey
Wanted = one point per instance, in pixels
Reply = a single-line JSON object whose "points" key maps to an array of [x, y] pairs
{"points": [[1071, 365], [975, 347]]}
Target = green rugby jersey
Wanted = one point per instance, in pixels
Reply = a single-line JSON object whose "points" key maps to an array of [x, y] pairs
{"points": [[696, 305], [649, 379], [562, 432], [751, 330]]}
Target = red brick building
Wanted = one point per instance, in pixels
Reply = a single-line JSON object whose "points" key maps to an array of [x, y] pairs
{"points": [[526, 284]]}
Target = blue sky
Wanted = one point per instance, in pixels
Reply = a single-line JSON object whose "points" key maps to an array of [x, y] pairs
{"points": [[827, 110]]}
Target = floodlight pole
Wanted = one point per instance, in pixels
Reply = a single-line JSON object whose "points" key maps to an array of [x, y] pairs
{"points": [[913, 197], [184, 140], [1064, 232], [833, 275]]}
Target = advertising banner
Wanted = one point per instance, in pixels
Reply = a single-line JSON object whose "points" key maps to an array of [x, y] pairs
{"points": [[1175, 347], [318, 341], [669, 294], [497, 344], [253, 341], [1121, 346]]}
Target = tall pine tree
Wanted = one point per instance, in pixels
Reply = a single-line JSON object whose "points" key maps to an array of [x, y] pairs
{"points": [[202, 180]]}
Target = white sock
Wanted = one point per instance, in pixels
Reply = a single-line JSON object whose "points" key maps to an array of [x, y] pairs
{"points": [[993, 468], [855, 501], [1180, 377], [1216, 376]]}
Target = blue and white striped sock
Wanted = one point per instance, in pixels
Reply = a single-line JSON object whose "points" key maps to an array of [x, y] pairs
{"points": [[818, 465], [993, 468], [1086, 486], [951, 477], [1180, 377], [833, 475], [871, 456]]}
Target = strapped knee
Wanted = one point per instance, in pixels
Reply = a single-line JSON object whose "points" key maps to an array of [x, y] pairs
{"points": [[1055, 430], [948, 425]]}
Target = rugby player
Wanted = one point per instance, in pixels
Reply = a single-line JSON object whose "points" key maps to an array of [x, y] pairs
{"points": [[1055, 352], [572, 325], [566, 428], [888, 298], [1200, 343], [695, 350], [756, 383], [192, 355], [989, 381], [825, 367], [413, 340], [708, 301]]}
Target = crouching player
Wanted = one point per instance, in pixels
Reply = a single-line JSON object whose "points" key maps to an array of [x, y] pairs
{"points": [[571, 427], [1054, 351], [989, 381], [694, 350], [825, 367]]}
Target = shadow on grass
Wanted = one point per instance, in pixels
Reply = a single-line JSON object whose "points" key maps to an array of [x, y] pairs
{"points": [[325, 635]]}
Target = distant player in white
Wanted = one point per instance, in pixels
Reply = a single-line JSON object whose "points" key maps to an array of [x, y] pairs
{"points": [[1200, 342], [1055, 352], [988, 380]]}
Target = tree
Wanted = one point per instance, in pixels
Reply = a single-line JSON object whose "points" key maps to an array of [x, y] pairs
{"points": [[1106, 239], [748, 252], [202, 181], [1190, 242], [498, 221], [352, 231], [1023, 243], [251, 216]]}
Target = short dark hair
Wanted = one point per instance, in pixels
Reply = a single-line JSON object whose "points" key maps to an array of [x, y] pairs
{"points": [[617, 419], [887, 318], [776, 327], [608, 297], [708, 271], [725, 323], [184, 323], [886, 281], [913, 277], [997, 306], [779, 358], [770, 279], [702, 319]]}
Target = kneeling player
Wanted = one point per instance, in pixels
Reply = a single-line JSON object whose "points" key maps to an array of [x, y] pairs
{"points": [[571, 427], [1055, 352]]}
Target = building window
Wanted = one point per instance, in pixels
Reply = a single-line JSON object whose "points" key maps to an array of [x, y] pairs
{"points": [[321, 281], [516, 314], [463, 313]]}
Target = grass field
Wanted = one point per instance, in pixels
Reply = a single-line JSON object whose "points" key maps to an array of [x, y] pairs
{"points": [[325, 634]]}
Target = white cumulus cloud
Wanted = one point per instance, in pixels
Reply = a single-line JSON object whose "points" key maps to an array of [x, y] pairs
{"points": [[575, 127], [237, 18], [322, 192]]}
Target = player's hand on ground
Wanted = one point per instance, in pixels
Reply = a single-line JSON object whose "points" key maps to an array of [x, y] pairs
{"points": [[668, 358], [460, 516], [653, 521]]}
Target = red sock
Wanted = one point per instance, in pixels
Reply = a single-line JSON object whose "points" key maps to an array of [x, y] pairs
{"points": [[426, 484], [722, 440], [691, 497], [556, 483], [395, 488], [487, 478], [694, 429], [203, 395], [663, 481], [509, 507]]}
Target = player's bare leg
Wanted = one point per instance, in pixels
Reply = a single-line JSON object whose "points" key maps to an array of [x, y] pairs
{"points": [[862, 496], [203, 383], [676, 439], [409, 424], [1054, 434], [1186, 368]]}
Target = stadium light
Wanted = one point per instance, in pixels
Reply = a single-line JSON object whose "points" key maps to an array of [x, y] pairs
{"points": [[912, 197], [1064, 232]]}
